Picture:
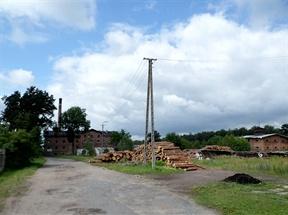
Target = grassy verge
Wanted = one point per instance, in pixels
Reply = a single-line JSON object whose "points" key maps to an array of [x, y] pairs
{"points": [[11, 180], [139, 169], [276, 166], [128, 167], [236, 199]]}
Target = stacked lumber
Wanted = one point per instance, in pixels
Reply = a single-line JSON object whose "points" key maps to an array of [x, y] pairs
{"points": [[217, 148], [165, 151], [115, 156]]}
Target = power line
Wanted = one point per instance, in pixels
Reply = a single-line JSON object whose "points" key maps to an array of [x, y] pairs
{"points": [[223, 60]]}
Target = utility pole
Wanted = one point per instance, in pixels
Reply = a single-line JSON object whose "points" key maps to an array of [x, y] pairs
{"points": [[103, 124], [149, 104]]}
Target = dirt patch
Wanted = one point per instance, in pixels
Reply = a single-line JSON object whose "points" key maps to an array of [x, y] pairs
{"points": [[242, 178], [183, 182]]}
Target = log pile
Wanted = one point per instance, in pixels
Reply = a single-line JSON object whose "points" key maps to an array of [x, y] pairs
{"points": [[166, 151], [115, 156]]}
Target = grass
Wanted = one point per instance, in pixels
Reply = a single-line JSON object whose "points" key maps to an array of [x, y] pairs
{"points": [[11, 180], [140, 169], [276, 166], [129, 167], [236, 199]]}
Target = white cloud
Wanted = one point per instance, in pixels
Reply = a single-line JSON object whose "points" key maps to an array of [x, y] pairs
{"points": [[17, 77], [231, 77], [30, 17]]}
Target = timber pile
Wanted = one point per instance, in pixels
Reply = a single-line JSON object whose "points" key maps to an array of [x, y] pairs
{"points": [[214, 150], [115, 156], [165, 151]]}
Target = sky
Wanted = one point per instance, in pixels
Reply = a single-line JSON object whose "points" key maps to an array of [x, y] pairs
{"points": [[220, 63]]}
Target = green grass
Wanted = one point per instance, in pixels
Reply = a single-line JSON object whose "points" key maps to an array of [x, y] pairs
{"points": [[139, 169], [236, 199], [11, 180], [276, 166]]}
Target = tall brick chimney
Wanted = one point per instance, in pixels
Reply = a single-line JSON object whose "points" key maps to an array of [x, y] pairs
{"points": [[59, 113]]}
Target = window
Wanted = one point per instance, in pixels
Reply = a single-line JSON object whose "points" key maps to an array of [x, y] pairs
{"points": [[77, 141], [63, 147], [275, 147], [63, 141], [56, 141], [56, 147], [267, 147]]}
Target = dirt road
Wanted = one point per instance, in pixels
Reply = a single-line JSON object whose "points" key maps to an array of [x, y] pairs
{"points": [[70, 187]]}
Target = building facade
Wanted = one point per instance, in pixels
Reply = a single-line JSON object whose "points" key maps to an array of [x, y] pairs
{"points": [[268, 142], [56, 143]]}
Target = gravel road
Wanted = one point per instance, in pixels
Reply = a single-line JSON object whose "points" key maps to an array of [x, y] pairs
{"points": [[69, 187]]}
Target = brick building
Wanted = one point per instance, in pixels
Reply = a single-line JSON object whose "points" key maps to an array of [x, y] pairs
{"points": [[56, 143], [268, 142]]}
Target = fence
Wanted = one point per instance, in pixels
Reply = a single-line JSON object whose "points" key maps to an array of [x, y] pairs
{"points": [[2, 159]]}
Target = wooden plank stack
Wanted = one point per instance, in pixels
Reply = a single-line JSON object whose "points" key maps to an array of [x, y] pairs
{"points": [[166, 151]]}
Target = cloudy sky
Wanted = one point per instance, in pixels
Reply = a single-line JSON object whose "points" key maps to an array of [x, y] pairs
{"points": [[221, 63]]}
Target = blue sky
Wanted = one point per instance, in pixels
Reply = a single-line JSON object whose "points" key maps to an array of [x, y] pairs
{"points": [[88, 53]]}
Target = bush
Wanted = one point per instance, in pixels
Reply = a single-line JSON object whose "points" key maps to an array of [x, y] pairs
{"points": [[88, 147], [20, 147]]}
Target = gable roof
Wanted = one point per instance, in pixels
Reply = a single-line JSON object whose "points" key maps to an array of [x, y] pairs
{"points": [[263, 136]]}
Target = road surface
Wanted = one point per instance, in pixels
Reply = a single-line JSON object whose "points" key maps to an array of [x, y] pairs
{"points": [[69, 187]]}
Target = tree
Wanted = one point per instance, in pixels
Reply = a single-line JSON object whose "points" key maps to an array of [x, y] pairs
{"points": [[174, 138], [122, 140], [33, 109], [157, 136], [20, 147], [88, 146], [284, 129], [74, 121]]}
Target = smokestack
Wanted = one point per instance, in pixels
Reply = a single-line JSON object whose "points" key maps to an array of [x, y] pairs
{"points": [[59, 113]]}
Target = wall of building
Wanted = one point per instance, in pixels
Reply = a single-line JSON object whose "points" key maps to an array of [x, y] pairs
{"points": [[59, 145], [272, 143]]}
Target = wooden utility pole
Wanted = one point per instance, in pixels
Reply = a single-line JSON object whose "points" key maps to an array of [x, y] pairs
{"points": [[149, 104]]}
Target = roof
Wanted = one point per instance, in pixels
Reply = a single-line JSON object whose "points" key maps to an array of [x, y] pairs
{"points": [[264, 136]]}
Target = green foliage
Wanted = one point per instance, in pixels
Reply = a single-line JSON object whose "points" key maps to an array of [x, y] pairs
{"points": [[139, 169], [75, 118], [88, 146], [20, 146], [237, 199], [157, 136], [122, 140], [33, 109], [125, 143], [174, 138]]}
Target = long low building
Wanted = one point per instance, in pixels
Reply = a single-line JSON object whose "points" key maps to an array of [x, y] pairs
{"points": [[56, 143], [268, 142]]}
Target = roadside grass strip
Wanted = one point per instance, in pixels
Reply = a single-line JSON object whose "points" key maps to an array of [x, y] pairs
{"points": [[276, 166], [11, 181], [140, 169], [237, 199]]}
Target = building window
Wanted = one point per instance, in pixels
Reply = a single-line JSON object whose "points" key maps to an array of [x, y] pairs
{"points": [[77, 141], [267, 147], [63, 147], [56, 141], [98, 135], [56, 147], [63, 141], [275, 147]]}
